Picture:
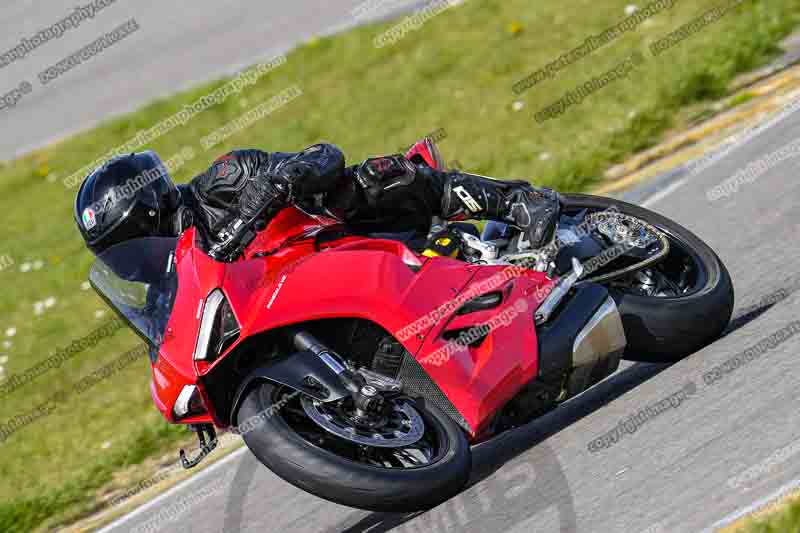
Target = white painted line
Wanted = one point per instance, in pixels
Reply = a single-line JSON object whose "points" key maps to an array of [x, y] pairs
{"points": [[737, 140], [732, 143], [753, 507], [177, 488], [660, 195]]}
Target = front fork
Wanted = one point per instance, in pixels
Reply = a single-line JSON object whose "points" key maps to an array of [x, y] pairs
{"points": [[364, 387], [365, 396]]}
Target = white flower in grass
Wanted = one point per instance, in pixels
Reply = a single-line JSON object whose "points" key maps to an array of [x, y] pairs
{"points": [[10, 332], [518, 105], [3, 360], [630, 9], [99, 313], [38, 264], [25, 267], [85, 286], [50, 302], [38, 308], [106, 445], [7, 344], [544, 156]]}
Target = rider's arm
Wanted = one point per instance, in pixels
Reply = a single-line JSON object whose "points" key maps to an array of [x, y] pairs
{"points": [[242, 186], [317, 169], [217, 191]]}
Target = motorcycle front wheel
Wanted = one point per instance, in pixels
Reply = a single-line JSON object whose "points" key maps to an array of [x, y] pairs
{"points": [[416, 460]]}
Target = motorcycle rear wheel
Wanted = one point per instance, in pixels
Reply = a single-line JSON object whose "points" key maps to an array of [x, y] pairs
{"points": [[669, 328], [294, 447]]}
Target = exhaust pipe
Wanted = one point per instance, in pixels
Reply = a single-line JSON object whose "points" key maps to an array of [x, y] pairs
{"points": [[602, 337], [585, 333]]}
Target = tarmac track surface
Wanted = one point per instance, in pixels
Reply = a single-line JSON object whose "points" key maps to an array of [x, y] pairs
{"points": [[179, 43]]}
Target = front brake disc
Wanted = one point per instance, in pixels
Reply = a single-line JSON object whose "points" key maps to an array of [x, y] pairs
{"points": [[403, 427]]}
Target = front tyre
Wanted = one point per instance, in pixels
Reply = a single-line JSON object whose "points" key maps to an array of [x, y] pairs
{"points": [[350, 472]]}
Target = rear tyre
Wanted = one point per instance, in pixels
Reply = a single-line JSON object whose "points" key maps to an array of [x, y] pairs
{"points": [[667, 329], [327, 466]]}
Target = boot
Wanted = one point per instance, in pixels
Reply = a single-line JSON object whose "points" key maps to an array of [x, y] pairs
{"points": [[533, 210]]}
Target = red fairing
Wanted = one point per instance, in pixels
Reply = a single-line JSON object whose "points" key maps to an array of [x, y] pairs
{"points": [[290, 275], [198, 275], [480, 379], [427, 151]]}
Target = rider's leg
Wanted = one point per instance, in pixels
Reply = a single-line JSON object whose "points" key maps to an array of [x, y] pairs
{"points": [[463, 196], [389, 189]]}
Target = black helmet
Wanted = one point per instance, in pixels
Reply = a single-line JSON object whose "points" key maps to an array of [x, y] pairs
{"points": [[128, 197]]}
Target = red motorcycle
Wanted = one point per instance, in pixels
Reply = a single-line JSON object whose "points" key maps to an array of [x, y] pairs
{"points": [[361, 368]]}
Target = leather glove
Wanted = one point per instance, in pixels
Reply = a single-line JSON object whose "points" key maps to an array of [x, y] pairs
{"points": [[260, 195], [380, 174], [316, 170]]}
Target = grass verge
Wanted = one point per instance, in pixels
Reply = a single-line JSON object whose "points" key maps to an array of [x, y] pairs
{"points": [[455, 72], [784, 518]]}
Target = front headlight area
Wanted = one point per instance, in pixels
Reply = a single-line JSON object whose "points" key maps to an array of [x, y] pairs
{"points": [[218, 328], [189, 403]]}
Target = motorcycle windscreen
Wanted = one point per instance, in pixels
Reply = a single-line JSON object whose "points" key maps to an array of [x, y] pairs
{"points": [[138, 279]]}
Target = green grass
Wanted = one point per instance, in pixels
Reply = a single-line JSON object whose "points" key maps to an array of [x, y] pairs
{"points": [[741, 99], [75, 497], [786, 519], [456, 73]]}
